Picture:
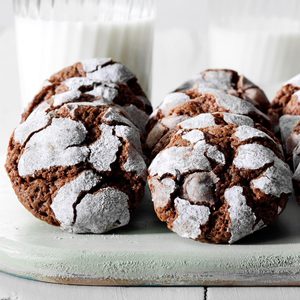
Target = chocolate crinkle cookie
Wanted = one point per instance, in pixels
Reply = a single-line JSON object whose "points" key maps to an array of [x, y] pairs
{"points": [[231, 82], [287, 100], [179, 106], [285, 114], [76, 159], [219, 179]]}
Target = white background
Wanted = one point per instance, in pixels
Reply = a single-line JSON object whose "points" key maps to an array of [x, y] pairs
{"points": [[177, 55]]}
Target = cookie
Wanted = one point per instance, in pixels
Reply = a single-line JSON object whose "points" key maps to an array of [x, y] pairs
{"points": [[286, 100], [102, 80], [180, 106], [76, 162], [219, 183], [230, 82], [289, 126]]}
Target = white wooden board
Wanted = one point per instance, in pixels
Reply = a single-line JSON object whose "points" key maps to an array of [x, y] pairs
{"points": [[145, 253]]}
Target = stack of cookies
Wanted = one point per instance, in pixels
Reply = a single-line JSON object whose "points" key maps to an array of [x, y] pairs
{"points": [[218, 171], [285, 113], [76, 159]]}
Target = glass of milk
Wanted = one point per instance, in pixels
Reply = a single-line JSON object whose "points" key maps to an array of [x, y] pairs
{"points": [[52, 34], [259, 38]]}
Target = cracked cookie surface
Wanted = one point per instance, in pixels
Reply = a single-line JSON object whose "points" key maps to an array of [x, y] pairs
{"points": [[179, 106], [232, 83], [219, 181], [76, 159]]}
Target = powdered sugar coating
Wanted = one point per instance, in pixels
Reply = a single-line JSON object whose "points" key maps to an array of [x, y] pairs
{"points": [[135, 163], [66, 97], [37, 120], [129, 134], [56, 145], [92, 64], [213, 153], [200, 121], [107, 92], [253, 156], [236, 119], [74, 83], [114, 115], [102, 211], [111, 73], [242, 217], [66, 197], [179, 159], [231, 103], [171, 101], [104, 150], [276, 180], [216, 79], [161, 191], [193, 136], [189, 218], [244, 133], [199, 187]]}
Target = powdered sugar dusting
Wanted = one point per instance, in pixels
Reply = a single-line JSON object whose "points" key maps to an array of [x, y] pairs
{"points": [[107, 92], [231, 118], [104, 150], [161, 191], [56, 145], [242, 217], [65, 97], [74, 83], [213, 153], [199, 187], [193, 136], [37, 120], [171, 101], [189, 218], [112, 73], [62, 204], [92, 64], [135, 163], [129, 134], [231, 103], [102, 211], [200, 121], [114, 115], [253, 156], [244, 133], [179, 159], [275, 181]]}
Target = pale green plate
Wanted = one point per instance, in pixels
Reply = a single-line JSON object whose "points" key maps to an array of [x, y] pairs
{"points": [[144, 253]]}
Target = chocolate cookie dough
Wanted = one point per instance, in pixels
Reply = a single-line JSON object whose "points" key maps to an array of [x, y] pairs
{"points": [[219, 181], [76, 159]]}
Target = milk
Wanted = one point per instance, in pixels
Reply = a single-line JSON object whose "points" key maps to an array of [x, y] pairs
{"points": [[265, 50], [46, 46]]}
